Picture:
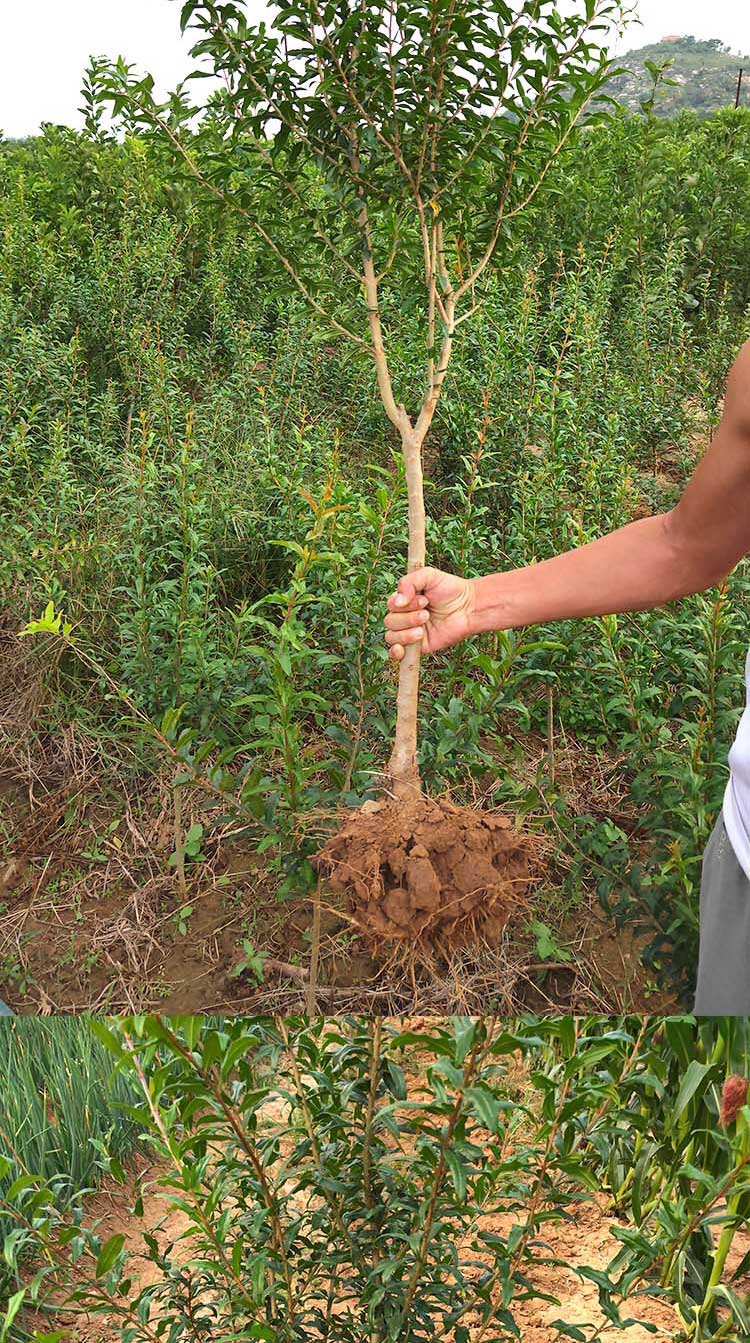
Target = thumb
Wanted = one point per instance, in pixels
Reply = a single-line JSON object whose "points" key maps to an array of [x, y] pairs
{"points": [[412, 584]]}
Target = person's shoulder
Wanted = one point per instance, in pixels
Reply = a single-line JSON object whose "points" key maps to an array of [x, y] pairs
{"points": [[741, 366], [737, 399], [743, 358]]}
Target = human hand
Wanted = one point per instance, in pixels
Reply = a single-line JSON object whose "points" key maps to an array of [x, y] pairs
{"points": [[429, 607]]}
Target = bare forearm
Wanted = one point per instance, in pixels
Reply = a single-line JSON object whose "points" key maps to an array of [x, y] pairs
{"points": [[640, 566], [646, 564]]}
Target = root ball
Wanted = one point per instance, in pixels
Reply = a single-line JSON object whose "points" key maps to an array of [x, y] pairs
{"points": [[427, 871]]}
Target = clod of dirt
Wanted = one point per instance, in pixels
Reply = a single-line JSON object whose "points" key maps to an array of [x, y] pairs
{"points": [[427, 871]]}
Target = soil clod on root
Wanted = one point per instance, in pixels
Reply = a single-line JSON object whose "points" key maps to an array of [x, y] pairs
{"points": [[427, 871]]}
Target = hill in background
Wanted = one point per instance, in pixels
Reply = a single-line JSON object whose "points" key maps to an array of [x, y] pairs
{"points": [[705, 72]]}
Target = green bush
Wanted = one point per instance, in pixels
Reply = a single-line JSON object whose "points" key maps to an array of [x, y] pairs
{"points": [[349, 1178]]}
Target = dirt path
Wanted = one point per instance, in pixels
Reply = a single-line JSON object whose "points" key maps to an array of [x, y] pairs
{"points": [[587, 1240]]}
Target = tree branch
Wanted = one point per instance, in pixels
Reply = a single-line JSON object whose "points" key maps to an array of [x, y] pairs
{"points": [[475, 1058], [433, 393], [254, 224], [190, 1191], [486, 129], [529, 120], [396, 414], [316, 149], [392, 149]]}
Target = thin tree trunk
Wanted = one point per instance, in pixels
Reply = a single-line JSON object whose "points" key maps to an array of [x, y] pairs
{"points": [[402, 767], [179, 841], [311, 1006]]}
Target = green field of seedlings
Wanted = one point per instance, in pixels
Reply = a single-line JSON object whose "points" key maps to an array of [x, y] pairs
{"points": [[203, 509], [351, 1179]]}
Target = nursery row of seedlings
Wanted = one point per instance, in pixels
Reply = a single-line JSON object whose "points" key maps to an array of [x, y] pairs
{"points": [[387, 1179]]}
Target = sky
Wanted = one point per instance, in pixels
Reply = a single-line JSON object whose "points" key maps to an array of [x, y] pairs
{"points": [[45, 45]]}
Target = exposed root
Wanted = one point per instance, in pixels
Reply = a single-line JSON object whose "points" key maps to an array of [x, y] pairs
{"points": [[427, 872]]}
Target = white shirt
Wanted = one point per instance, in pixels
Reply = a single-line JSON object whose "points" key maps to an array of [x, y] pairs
{"points": [[737, 795]]}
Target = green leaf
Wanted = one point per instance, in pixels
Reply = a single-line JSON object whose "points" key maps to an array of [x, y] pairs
{"points": [[641, 1178], [485, 1106], [736, 1305], [458, 1173], [397, 1079], [464, 1031], [50, 622], [107, 1037], [19, 1185], [12, 1309], [547, 946], [569, 1330], [236, 1051], [694, 1077], [109, 1253]]}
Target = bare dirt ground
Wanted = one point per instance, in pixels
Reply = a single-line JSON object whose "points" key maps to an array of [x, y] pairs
{"points": [[92, 917], [91, 920], [587, 1240]]}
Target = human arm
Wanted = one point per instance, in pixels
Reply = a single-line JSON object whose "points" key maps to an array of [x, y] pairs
{"points": [[641, 565]]}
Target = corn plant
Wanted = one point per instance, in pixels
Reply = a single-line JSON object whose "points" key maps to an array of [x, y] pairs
{"points": [[670, 1139]]}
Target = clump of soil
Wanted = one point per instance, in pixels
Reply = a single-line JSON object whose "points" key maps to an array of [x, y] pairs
{"points": [[427, 871]]}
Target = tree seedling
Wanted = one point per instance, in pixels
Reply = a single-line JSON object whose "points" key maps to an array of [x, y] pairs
{"points": [[381, 154]]}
